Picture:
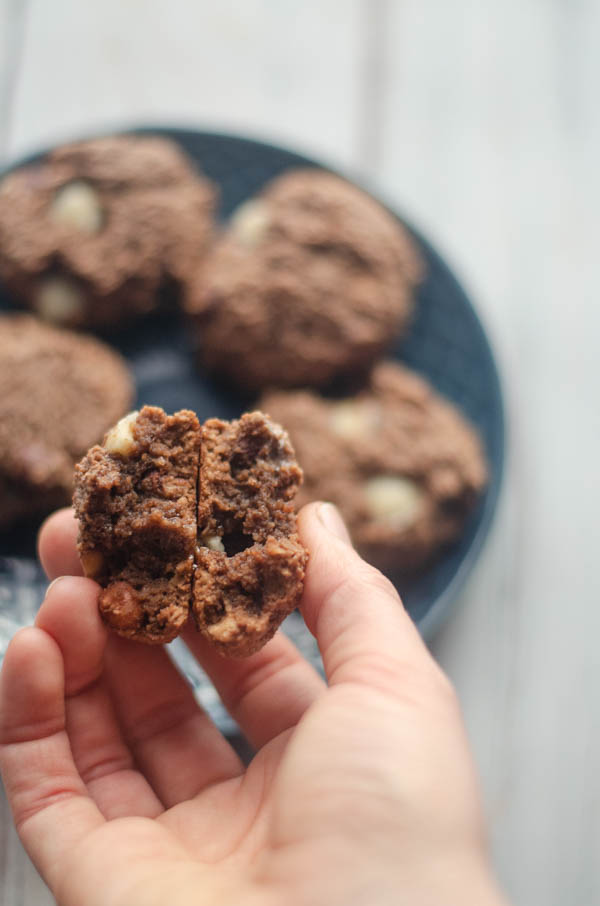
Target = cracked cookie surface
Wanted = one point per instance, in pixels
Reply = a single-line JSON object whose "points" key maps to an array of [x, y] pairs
{"points": [[135, 498], [249, 560]]}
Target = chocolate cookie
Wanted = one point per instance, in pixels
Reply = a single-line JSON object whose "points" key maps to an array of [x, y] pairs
{"points": [[135, 498], [173, 514], [249, 561], [99, 231], [311, 280], [59, 392], [401, 463]]}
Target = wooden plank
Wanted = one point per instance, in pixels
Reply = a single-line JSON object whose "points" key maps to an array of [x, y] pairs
{"points": [[491, 141], [20, 885], [12, 31], [274, 68]]}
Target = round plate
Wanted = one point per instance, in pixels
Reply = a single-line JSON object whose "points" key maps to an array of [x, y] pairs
{"points": [[446, 343]]}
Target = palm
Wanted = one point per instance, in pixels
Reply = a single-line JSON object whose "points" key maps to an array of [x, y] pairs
{"points": [[223, 827], [276, 808]]}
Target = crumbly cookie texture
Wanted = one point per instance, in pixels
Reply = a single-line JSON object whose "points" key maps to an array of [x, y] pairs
{"points": [[174, 515], [59, 392], [135, 498], [96, 232], [249, 560], [311, 280], [401, 463]]}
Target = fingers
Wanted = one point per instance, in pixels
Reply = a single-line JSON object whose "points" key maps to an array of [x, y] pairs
{"points": [[356, 615], [51, 806], [70, 616], [175, 743], [57, 545], [266, 693]]}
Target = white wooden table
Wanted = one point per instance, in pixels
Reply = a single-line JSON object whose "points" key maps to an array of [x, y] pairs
{"points": [[479, 119]]}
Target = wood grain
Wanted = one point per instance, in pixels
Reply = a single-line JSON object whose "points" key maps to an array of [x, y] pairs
{"points": [[480, 120], [281, 69], [13, 16], [489, 140]]}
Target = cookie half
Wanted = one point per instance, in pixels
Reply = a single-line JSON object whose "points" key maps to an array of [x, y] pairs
{"points": [[402, 464], [98, 232], [135, 498], [249, 560], [59, 393], [311, 280]]}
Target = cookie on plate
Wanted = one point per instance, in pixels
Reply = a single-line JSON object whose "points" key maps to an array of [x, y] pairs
{"points": [[249, 560], [172, 513], [59, 393], [401, 463], [312, 279], [98, 232]]}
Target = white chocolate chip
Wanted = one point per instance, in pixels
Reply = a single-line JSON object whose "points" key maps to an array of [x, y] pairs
{"points": [[225, 629], [250, 222], [77, 205], [120, 440], [393, 499], [212, 542], [59, 300], [352, 419]]}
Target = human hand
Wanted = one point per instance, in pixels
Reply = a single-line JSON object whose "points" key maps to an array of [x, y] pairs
{"points": [[125, 794]]}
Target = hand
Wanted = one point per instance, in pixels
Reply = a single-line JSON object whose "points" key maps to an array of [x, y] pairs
{"points": [[126, 794]]}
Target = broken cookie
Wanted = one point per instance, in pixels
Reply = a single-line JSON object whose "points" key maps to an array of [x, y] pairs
{"points": [[135, 498], [249, 560], [173, 514]]}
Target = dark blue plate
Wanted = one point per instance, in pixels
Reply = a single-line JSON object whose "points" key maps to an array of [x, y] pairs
{"points": [[446, 343]]}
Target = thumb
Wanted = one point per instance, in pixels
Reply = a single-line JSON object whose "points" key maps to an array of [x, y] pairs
{"points": [[363, 631]]}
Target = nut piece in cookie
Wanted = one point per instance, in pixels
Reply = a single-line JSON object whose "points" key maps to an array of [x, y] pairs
{"points": [[311, 280], [402, 464], [59, 393], [249, 560], [135, 499], [95, 232]]}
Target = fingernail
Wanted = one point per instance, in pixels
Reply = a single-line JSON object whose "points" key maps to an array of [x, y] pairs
{"points": [[331, 519], [53, 583]]}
